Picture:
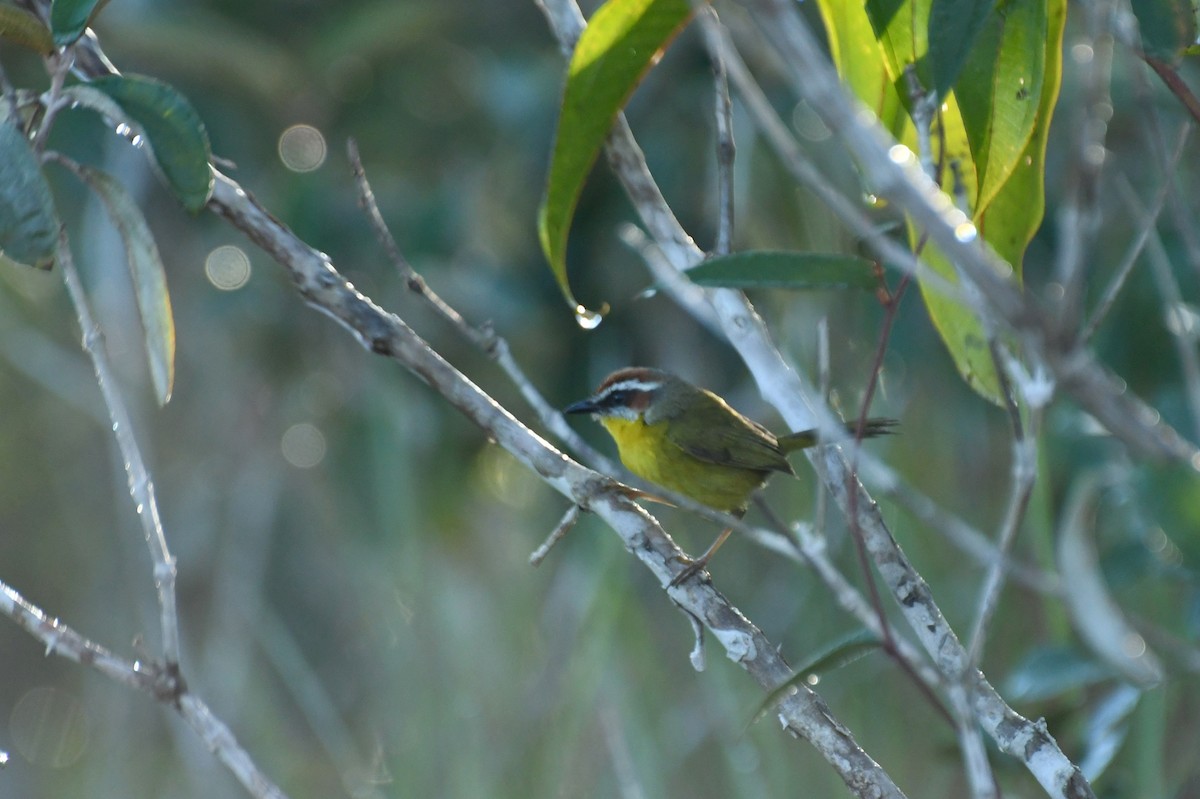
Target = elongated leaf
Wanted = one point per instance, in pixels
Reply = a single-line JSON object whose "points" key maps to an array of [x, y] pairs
{"points": [[860, 62], [837, 654], [622, 40], [69, 19], [1094, 613], [171, 128], [20, 27], [28, 222], [1050, 671], [954, 25], [1001, 90], [787, 270], [1168, 27], [148, 276]]}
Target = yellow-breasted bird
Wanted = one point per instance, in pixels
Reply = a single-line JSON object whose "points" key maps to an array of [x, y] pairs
{"points": [[689, 440]]}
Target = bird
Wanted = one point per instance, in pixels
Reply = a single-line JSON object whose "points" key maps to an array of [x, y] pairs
{"points": [[692, 442]]}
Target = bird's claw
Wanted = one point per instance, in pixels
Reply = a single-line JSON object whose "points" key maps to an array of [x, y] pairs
{"points": [[691, 569]]}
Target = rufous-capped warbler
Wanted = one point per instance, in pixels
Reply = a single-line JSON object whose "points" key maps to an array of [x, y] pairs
{"points": [[689, 440]]}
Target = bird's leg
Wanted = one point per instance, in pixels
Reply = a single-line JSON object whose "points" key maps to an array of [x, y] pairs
{"points": [[697, 565]]}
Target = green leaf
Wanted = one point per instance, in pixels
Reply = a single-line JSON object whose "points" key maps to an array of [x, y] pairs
{"points": [[70, 18], [28, 222], [171, 128], [1000, 91], [787, 270], [1168, 27], [20, 27], [954, 25], [622, 41], [148, 276], [901, 27], [859, 59], [836, 655]]}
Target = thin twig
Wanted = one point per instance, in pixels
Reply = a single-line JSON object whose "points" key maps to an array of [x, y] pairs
{"points": [[1024, 475], [1079, 217], [157, 680], [561, 529], [141, 487], [1148, 221], [485, 338], [726, 148], [1180, 320]]}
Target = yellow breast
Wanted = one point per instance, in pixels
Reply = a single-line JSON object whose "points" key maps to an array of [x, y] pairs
{"points": [[647, 452]]}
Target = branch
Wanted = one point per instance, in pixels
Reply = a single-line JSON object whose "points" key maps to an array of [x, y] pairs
{"points": [[802, 712], [160, 681], [141, 487], [897, 176], [818, 84]]}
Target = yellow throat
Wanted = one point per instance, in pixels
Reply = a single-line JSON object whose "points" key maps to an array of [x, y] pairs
{"points": [[646, 451]]}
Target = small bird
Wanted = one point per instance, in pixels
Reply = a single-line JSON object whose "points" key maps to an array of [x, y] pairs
{"points": [[690, 441]]}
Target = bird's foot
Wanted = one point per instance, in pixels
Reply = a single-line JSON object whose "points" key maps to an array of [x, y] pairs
{"points": [[691, 569]]}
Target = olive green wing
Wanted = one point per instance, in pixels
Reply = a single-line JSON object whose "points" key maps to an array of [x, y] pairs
{"points": [[716, 433]]}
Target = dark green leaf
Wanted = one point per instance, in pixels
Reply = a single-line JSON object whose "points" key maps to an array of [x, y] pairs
{"points": [[69, 19], [786, 270], [839, 653], [1050, 671], [1168, 27], [953, 27], [20, 27], [171, 128], [622, 40], [148, 276], [28, 222]]}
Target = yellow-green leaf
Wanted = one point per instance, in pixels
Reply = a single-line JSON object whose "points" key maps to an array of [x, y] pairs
{"points": [[621, 42], [20, 27], [148, 276]]}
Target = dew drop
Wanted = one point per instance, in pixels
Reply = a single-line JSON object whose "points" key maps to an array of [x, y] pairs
{"points": [[588, 320]]}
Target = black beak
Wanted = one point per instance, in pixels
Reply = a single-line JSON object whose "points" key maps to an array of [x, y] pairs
{"points": [[583, 406]]}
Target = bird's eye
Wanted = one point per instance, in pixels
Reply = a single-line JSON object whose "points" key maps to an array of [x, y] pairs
{"points": [[618, 398]]}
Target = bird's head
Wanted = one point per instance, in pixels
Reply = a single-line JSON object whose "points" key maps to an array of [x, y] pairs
{"points": [[627, 394]]}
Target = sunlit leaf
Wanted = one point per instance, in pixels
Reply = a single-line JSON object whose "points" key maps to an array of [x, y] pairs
{"points": [[171, 128], [70, 18], [1000, 91], [859, 59], [787, 270], [623, 39], [28, 222], [21, 27], [148, 276]]}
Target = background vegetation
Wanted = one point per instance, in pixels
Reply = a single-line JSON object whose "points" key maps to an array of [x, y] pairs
{"points": [[356, 599]]}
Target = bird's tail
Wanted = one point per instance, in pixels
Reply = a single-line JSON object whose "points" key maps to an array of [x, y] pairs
{"points": [[807, 438]]}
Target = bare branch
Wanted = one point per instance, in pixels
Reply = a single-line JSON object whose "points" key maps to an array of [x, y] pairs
{"points": [[141, 487], [158, 680]]}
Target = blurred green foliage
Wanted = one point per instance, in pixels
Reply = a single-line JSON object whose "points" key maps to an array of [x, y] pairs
{"points": [[368, 624]]}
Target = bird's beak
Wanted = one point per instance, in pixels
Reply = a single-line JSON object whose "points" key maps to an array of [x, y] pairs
{"points": [[583, 406]]}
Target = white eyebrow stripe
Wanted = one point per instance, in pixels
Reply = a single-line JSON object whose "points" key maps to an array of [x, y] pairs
{"points": [[632, 384]]}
